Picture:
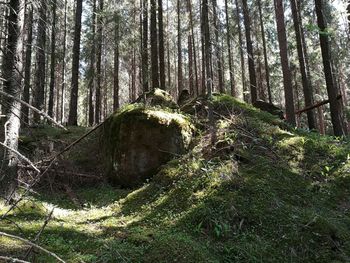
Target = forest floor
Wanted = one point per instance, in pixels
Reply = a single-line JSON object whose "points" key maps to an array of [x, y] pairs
{"points": [[258, 191]]}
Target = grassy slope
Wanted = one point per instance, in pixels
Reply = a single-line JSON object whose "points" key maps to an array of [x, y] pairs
{"points": [[262, 194]]}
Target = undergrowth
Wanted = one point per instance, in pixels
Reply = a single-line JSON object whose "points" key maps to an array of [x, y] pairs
{"points": [[258, 191]]}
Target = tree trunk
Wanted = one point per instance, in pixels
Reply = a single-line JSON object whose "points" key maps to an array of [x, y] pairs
{"points": [[161, 46], [241, 52], [73, 109], [116, 64], [251, 65], [28, 61], [53, 59], [207, 47], [267, 69], [12, 68], [145, 73], [230, 66], [327, 65], [154, 46], [193, 44], [63, 81], [287, 77], [348, 9], [179, 49], [98, 99], [218, 48], [39, 94], [308, 96], [91, 75]]}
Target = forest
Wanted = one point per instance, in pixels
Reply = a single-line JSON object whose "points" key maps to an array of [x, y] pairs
{"points": [[174, 131]]}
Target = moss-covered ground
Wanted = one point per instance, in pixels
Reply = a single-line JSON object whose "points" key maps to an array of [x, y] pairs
{"points": [[251, 190]]}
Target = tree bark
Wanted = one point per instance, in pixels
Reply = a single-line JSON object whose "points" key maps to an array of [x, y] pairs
{"points": [[251, 64], [218, 48], [179, 49], [332, 89], [73, 109], [12, 68], [145, 73], [98, 99], [308, 96], [154, 46], [240, 39], [161, 46], [207, 47], [53, 59], [63, 73], [28, 61], [91, 75], [267, 69], [116, 64], [193, 44], [228, 39], [287, 77], [39, 94]]}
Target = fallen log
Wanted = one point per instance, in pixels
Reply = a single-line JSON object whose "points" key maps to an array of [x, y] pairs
{"points": [[317, 105]]}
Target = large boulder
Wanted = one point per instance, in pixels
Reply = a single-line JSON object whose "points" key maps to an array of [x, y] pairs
{"points": [[139, 140]]}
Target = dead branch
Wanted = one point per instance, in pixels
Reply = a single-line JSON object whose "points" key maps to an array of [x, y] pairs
{"points": [[21, 157], [34, 245], [34, 109], [47, 220], [15, 260], [317, 105]]}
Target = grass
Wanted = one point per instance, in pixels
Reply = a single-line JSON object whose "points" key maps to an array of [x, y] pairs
{"points": [[262, 193]]}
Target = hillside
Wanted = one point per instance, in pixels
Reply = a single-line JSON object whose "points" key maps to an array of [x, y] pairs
{"points": [[251, 189]]}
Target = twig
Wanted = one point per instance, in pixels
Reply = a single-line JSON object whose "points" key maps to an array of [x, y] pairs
{"points": [[34, 245], [34, 109], [20, 156], [39, 233], [15, 260]]}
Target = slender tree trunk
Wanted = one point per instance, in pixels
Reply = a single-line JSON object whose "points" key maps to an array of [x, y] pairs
{"points": [[193, 44], [348, 9], [73, 109], [179, 49], [39, 94], [28, 61], [308, 96], [161, 46], [241, 52], [12, 68], [332, 89], [287, 78], [91, 83], [154, 46], [267, 69], [63, 81], [145, 73], [230, 66], [190, 65], [207, 47], [116, 64], [168, 49], [98, 99], [53, 59], [251, 64], [218, 48]]}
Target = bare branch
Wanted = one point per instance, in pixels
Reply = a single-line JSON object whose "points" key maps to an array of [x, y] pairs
{"points": [[15, 260]]}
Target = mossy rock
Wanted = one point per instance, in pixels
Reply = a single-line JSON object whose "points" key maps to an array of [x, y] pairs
{"points": [[158, 97], [139, 140]]}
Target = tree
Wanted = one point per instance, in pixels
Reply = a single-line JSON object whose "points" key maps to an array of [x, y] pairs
{"points": [[241, 51], [267, 70], [116, 63], [332, 89], [39, 94], [63, 73], [179, 49], [308, 96], [12, 68], [99, 62], [193, 46], [53, 58], [287, 76], [154, 46], [348, 9], [73, 109], [161, 45], [28, 61], [207, 47], [145, 73], [250, 52], [228, 39], [218, 48]]}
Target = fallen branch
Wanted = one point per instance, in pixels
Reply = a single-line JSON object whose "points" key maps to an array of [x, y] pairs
{"points": [[34, 109], [47, 220], [319, 104], [21, 156], [34, 245], [15, 260]]}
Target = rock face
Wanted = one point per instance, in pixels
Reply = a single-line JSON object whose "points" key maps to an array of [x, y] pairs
{"points": [[141, 140]]}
